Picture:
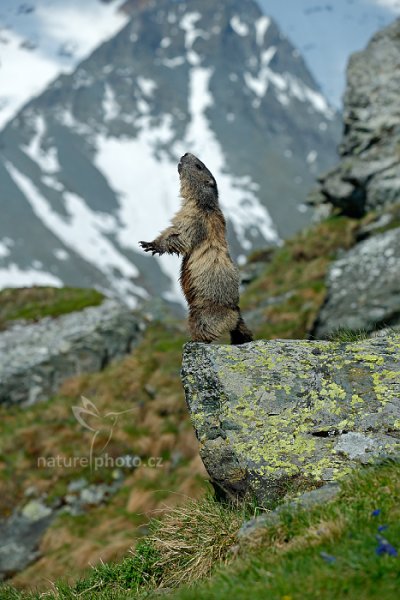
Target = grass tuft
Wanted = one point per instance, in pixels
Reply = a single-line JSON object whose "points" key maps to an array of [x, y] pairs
{"points": [[139, 570], [348, 335], [191, 539]]}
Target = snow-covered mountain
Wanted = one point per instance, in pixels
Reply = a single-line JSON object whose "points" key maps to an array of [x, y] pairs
{"points": [[89, 167], [41, 39]]}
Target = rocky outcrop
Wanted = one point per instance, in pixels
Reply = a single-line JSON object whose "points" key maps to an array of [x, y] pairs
{"points": [[36, 358], [368, 176], [20, 537], [274, 412], [364, 287], [22, 533]]}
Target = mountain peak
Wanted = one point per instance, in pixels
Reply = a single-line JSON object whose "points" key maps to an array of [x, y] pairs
{"points": [[91, 163]]}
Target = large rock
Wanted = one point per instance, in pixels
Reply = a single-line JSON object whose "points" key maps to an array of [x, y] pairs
{"points": [[368, 176], [35, 359], [364, 287], [20, 538], [270, 413]]}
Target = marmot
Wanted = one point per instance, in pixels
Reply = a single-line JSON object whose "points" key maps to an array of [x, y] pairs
{"points": [[209, 279]]}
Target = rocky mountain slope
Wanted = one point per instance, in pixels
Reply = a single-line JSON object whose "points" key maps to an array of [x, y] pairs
{"points": [[363, 284], [89, 167], [368, 176]]}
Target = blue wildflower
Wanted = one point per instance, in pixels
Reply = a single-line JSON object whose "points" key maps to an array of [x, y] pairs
{"points": [[382, 528], [328, 558], [385, 547], [376, 512]]}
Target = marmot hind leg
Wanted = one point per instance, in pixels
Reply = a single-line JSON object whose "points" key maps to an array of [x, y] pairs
{"points": [[241, 334], [209, 326]]}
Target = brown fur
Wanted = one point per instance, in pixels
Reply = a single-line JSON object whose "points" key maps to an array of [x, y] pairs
{"points": [[209, 279]]}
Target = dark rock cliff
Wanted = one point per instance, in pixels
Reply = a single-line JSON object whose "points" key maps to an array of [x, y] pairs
{"points": [[368, 176]]}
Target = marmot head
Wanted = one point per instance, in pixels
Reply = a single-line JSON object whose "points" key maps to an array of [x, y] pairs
{"points": [[197, 182]]}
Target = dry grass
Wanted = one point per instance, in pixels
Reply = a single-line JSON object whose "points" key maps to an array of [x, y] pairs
{"points": [[147, 381], [191, 539]]}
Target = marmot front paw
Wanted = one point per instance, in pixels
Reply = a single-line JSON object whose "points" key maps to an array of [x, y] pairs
{"points": [[150, 247]]}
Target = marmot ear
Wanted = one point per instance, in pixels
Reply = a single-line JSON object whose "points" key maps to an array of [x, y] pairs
{"points": [[211, 182]]}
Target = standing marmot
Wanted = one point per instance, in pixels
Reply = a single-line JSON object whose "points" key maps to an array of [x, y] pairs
{"points": [[209, 279]]}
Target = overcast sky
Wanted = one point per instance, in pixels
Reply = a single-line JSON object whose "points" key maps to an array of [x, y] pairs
{"points": [[328, 31]]}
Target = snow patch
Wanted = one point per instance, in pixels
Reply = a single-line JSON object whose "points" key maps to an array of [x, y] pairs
{"points": [[47, 160], [268, 55], [239, 203], [165, 42], [4, 249], [83, 233], [305, 94], [286, 85], [61, 254], [261, 26], [15, 277], [52, 183], [283, 99], [239, 27], [172, 63], [312, 157], [258, 85], [188, 23], [147, 86], [143, 106], [191, 34], [147, 188], [111, 107]]}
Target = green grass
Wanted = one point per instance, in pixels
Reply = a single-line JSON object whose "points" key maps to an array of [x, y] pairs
{"points": [[348, 335], [297, 273], [328, 552], [134, 572], [35, 303]]}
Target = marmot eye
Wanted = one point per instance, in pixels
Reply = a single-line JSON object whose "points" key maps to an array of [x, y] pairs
{"points": [[199, 167]]}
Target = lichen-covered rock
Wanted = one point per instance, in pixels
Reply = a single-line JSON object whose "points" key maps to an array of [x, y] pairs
{"points": [[368, 176], [274, 412], [36, 358], [364, 287]]}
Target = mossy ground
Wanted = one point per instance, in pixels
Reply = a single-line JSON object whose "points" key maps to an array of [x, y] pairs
{"points": [[34, 303], [344, 549]]}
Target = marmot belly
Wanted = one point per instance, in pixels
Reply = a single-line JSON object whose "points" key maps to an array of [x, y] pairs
{"points": [[209, 275]]}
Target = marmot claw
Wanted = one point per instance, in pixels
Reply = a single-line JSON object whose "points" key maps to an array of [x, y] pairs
{"points": [[149, 247]]}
